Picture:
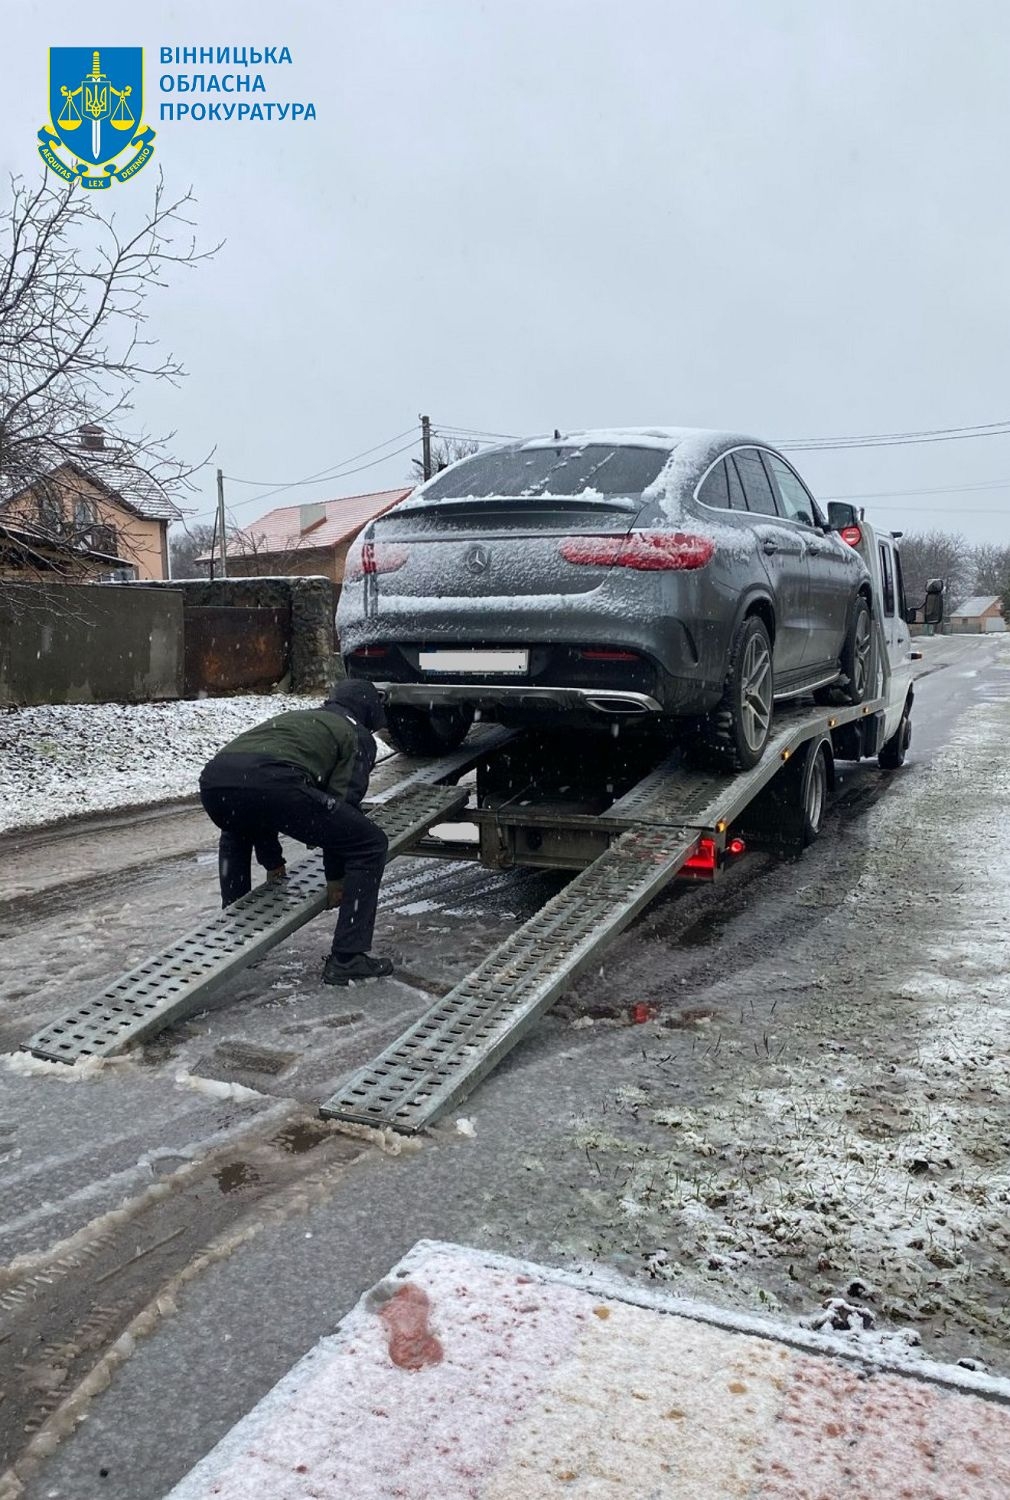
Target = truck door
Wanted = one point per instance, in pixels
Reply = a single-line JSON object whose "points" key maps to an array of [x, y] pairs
{"points": [[897, 638]]}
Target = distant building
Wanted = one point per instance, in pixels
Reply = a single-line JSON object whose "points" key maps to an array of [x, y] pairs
{"points": [[305, 540], [95, 514], [982, 613]]}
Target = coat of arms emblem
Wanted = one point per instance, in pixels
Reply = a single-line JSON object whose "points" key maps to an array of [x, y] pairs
{"points": [[96, 100]]}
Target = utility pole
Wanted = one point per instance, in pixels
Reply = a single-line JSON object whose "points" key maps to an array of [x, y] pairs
{"points": [[220, 523], [426, 447]]}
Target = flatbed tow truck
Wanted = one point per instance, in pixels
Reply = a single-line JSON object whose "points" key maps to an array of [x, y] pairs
{"points": [[629, 820]]}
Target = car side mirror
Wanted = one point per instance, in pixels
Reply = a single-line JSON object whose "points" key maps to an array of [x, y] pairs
{"points": [[841, 514]]}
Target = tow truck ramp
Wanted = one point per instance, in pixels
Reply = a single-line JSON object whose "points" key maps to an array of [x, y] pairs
{"points": [[652, 832], [656, 828], [445, 1054], [179, 981]]}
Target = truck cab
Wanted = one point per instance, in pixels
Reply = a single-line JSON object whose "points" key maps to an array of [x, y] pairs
{"points": [[892, 618]]}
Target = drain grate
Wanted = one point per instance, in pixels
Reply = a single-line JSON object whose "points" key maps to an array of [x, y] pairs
{"points": [[445, 1054], [180, 980]]}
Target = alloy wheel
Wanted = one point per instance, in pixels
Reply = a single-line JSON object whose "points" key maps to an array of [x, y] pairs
{"points": [[861, 654], [756, 692]]}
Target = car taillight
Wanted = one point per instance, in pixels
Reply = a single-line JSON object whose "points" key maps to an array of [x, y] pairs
{"points": [[647, 551], [377, 557], [852, 535], [371, 651], [606, 653]]}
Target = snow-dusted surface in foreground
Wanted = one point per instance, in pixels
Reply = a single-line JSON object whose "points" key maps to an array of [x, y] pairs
{"points": [[61, 760], [859, 1139], [478, 1378]]}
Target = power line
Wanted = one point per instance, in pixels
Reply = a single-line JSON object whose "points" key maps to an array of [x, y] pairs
{"points": [[326, 474], [475, 431], [321, 473], [943, 489], [897, 439]]}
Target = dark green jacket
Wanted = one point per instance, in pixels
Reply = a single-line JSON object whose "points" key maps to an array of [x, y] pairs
{"points": [[321, 742]]}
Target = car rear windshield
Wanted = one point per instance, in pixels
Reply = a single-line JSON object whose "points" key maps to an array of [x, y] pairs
{"points": [[607, 469]]}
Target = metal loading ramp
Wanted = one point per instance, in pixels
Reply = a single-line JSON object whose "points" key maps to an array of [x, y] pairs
{"points": [[445, 1054], [180, 980]]}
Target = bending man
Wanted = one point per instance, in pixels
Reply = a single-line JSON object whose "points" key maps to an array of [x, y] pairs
{"points": [[303, 774]]}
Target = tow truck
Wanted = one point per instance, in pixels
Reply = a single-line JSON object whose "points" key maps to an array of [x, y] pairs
{"points": [[629, 818]]}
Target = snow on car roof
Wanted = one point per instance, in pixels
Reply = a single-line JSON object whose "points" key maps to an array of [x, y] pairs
{"points": [[690, 439]]}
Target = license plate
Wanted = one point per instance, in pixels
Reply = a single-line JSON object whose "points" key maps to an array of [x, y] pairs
{"points": [[507, 663]]}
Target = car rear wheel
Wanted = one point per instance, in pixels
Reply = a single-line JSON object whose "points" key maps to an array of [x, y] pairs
{"points": [[737, 731], [857, 653], [419, 731]]}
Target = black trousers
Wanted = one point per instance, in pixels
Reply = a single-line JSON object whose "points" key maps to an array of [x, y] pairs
{"points": [[277, 798]]}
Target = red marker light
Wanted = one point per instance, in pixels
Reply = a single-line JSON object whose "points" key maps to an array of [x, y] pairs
{"points": [[736, 846], [705, 859], [645, 551]]}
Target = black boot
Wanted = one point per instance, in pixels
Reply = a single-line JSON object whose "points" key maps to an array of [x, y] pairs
{"points": [[357, 967]]}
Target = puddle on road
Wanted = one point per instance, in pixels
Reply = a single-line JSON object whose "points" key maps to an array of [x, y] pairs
{"points": [[235, 1175], [302, 1136]]}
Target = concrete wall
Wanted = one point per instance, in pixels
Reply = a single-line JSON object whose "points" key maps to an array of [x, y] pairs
{"points": [[85, 643]]}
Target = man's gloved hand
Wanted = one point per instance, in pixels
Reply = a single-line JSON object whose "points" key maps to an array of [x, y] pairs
{"points": [[334, 893], [280, 873]]}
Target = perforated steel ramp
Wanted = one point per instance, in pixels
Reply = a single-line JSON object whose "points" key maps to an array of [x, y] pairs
{"points": [[462, 1037], [179, 981], [396, 773], [684, 797]]}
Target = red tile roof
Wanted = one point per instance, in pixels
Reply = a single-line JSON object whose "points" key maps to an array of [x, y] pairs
{"points": [[280, 530]]}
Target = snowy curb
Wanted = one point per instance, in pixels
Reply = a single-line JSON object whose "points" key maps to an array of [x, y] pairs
{"points": [[470, 1374]]}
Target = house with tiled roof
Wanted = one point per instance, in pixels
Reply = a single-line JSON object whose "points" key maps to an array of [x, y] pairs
{"points": [[305, 540], [95, 504]]}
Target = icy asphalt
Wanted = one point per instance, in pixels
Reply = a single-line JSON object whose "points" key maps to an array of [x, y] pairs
{"points": [[818, 1111]]}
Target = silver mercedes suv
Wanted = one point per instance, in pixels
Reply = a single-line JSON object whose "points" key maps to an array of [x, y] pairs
{"points": [[660, 576]]}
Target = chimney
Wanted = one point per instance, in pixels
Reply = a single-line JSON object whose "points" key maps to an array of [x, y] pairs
{"points": [[92, 437], [311, 515]]}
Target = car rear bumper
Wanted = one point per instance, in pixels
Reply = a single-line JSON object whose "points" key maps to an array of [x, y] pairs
{"points": [[522, 698]]}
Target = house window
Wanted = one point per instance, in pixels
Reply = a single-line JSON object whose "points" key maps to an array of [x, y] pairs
{"points": [[85, 513], [50, 512]]}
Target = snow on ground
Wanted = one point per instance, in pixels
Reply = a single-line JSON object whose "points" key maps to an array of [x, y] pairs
{"points": [[479, 1378], [60, 760], [860, 1148]]}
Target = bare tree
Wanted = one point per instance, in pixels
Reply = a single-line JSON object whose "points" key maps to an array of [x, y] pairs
{"points": [[937, 554], [263, 557], [444, 451], [186, 544], [992, 568], [73, 306]]}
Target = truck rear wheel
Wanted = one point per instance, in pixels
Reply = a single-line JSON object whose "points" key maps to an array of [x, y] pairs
{"points": [[419, 731], [814, 790], [893, 751]]}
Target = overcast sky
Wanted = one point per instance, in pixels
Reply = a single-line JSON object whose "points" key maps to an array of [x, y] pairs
{"points": [[787, 218]]}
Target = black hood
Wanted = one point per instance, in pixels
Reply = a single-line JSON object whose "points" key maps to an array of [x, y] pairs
{"points": [[361, 700]]}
